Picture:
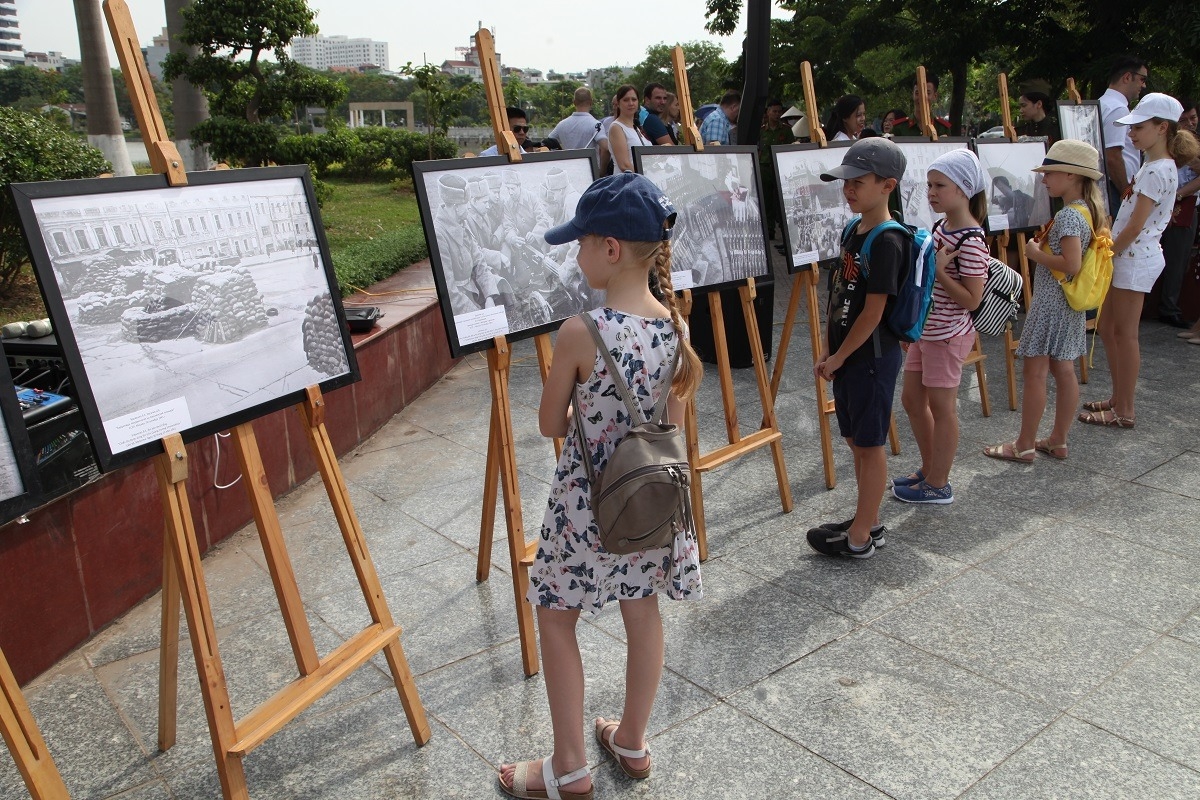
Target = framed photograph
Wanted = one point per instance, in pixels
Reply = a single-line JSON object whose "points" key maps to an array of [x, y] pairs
{"points": [[914, 195], [720, 236], [186, 309], [815, 211], [1083, 121], [1017, 199], [19, 489], [484, 220]]}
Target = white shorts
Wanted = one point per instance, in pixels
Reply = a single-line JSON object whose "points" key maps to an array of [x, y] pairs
{"points": [[1136, 274]]}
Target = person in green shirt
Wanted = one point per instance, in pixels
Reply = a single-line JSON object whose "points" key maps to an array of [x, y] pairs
{"points": [[774, 131], [909, 126]]}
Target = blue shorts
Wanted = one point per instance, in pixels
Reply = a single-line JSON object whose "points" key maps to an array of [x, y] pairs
{"points": [[862, 397]]}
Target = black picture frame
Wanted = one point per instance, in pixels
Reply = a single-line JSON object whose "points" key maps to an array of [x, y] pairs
{"points": [[194, 321], [516, 287], [1012, 163], [920, 152], [690, 179], [20, 488], [815, 212], [1085, 122]]}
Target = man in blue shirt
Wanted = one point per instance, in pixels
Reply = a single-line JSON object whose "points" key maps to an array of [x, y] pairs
{"points": [[654, 102], [718, 126]]}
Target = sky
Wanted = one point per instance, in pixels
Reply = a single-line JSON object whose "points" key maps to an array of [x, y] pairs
{"points": [[566, 37]]}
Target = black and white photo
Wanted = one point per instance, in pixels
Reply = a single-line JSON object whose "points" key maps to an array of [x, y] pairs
{"points": [[186, 309], [815, 210], [914, 186], [719, 236], [484, 221], [1083, 121], [1017, 198]]}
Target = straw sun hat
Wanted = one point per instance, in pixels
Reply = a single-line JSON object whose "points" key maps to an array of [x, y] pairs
{"points": [[1071, 155]]}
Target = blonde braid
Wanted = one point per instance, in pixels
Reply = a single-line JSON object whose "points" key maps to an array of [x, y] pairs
{"points": [[689, 371]]}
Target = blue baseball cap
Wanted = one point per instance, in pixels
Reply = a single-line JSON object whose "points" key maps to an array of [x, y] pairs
{"points": [[626, 206]]}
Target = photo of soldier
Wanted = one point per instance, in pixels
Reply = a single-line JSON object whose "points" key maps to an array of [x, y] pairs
{"points": [[484, 226]]}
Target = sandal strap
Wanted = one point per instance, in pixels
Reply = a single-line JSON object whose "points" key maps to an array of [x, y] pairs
{"points": [[552, 783], [611, 737]]}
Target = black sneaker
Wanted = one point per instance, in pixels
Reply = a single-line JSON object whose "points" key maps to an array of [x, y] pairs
{"points": [[837, 543], [878, 533]]}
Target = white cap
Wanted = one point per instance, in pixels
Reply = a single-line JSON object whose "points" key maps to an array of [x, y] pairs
{"points": [[1155, 105]]}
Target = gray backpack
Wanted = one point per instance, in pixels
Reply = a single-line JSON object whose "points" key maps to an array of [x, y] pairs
{"points": [[642, 497]]}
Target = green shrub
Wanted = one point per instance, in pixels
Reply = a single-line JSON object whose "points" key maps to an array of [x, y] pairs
{"points": [[238, 142], [33, 148], [364, 263]]}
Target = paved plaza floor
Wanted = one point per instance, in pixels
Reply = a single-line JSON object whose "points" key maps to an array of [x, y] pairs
{"points": [[1039, 638]]}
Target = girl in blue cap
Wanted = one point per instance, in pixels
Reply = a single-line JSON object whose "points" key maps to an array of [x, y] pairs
{"points": [[623, 226]]}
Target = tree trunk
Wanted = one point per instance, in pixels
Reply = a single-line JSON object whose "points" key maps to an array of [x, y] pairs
{"points": [[103, 121], [958, 97], [190, 104]]}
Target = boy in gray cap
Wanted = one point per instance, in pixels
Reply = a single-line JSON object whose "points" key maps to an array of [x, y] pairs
{"points": [[863, 356]]}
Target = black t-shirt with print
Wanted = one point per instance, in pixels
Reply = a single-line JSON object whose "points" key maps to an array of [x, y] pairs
{"points": [[889, 252]]}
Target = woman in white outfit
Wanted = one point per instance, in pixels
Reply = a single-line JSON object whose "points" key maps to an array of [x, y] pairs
{"points": [[625, 134]]}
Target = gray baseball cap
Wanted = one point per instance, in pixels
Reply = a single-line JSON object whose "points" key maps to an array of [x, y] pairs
{"points": [[877, 154]]}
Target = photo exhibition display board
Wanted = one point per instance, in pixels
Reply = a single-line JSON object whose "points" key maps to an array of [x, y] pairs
{"points": [[19, 489], [720, 236], [815, 210], [484, 221], [186, 309], [1017, 198], [1083, 121], [914, 194]]}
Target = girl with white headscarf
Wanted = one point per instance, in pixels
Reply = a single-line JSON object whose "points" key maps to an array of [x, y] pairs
{"points": [[933, 365]]}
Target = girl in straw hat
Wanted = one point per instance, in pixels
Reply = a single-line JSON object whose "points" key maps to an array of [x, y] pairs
{"points": [[1055, 334]]}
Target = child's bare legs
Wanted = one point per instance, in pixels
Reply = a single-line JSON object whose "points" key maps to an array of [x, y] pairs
{"points": [[944, 441], [1033, 400], [1066, 399], [562, 669], [870, 472], [1119, 321], [643, 673], [916, 404]]}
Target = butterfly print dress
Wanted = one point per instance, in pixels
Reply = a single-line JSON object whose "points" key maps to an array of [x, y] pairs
{"points": [[572, 570]]}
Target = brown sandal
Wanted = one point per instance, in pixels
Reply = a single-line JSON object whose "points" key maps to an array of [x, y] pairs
{"points": [[606, 733], [1098, 405], [1009, 452], [1108, 418], [1044, 446]]}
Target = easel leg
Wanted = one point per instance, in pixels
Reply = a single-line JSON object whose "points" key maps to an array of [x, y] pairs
{"points": [[364, 567], [981, 376], [785, 336], [168, 651], [181, 537], [824, 404], [724, 373], [1010, 365], [893, 437], [545, 354], [491, 483], [498, 365], [758, 358], [25, 741]]}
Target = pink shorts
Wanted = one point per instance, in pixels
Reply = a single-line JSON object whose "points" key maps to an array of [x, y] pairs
{"points": [[940, 363]]}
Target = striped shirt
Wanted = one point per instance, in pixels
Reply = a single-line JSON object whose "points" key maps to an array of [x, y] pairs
{"points": [[947, 318]]}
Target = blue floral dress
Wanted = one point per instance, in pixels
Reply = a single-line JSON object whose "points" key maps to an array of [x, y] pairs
{"points": [[572, 570]]}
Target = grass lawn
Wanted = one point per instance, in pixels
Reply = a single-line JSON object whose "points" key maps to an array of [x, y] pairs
{"points": [[359, 211]]}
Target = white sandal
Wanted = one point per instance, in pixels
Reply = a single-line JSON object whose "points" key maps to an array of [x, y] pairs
{"points": [[521, 790], [619, 754]]}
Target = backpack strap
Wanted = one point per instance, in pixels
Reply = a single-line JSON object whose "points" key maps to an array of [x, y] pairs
{"points": [[887, 225], [634, 410]]}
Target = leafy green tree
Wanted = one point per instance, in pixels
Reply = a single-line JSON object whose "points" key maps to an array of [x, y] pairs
{"points": [[33, 148], [232, 39], [439, 98], [707, 70]]}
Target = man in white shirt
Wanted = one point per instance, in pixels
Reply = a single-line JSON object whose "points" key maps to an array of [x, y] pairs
{"points": [[519, 124], [1126, 82], [578, 130]]}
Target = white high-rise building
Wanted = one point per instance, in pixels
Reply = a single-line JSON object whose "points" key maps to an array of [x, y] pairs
{"points": [[12, 52], [326, 52]]}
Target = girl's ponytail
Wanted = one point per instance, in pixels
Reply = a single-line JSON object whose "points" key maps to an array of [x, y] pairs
{"points": [[979, 206], [689, 371], [1090, 192]]}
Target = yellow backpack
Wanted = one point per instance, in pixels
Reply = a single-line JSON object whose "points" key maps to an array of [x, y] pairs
{"points": [[1087, 289]]}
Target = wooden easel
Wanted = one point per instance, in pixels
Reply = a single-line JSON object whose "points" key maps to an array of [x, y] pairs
{"points": [[976, 357], [768, 433], [182, 569], [25, 741], [1010, 342], [500, 470], [805, 284], [1090, 326]]}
